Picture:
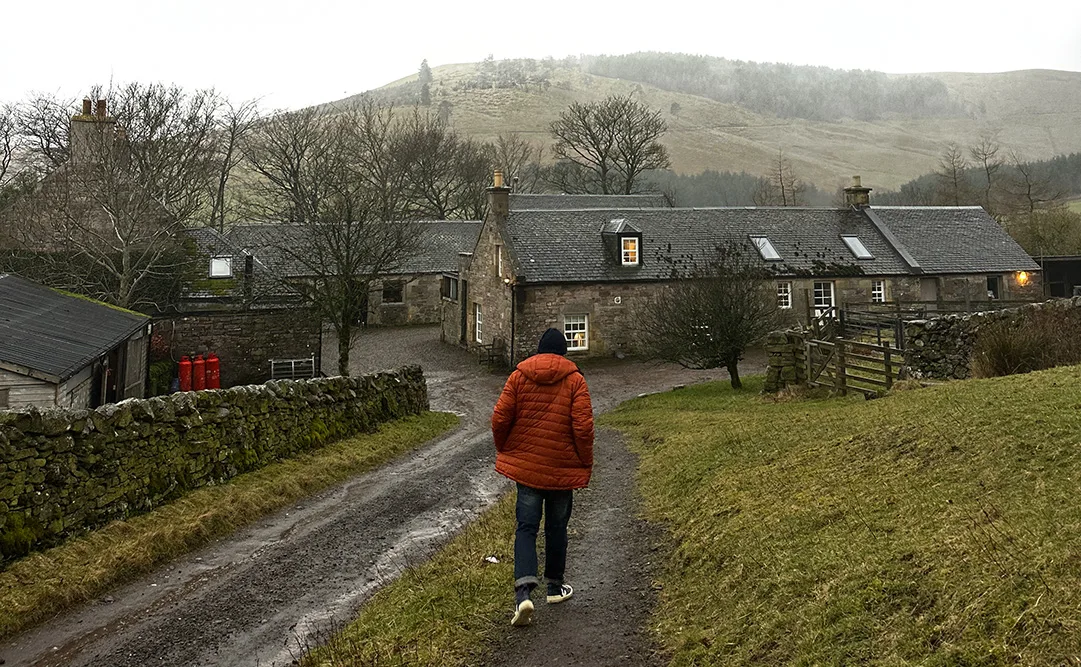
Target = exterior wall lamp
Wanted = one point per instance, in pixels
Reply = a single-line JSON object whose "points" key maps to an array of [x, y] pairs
{"points": [[1022, 278]]}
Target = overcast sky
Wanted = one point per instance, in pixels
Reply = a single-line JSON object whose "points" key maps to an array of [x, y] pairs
{"points": [[297, 53]]}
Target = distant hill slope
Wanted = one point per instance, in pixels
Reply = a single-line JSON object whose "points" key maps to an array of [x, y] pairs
{"points": [[1037, 112]]}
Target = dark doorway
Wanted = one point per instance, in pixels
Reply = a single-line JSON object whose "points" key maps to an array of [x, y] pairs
{"points": [[463, 298]]}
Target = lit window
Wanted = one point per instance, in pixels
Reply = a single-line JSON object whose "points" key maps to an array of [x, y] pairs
{"points": [[856, 246], [478, 325], [221, 267], [784, 295], [765, 248], [576, 329], [878, 291], [393, 292], [630, 251], [823, 295]]}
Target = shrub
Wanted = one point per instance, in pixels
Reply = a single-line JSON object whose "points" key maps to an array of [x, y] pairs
{"points": [[1041, 339]]}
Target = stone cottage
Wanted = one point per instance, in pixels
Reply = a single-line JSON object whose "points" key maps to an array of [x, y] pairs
{"points": [[585, 270]]}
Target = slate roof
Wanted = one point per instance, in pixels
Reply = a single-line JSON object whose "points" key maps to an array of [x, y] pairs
{"points": [[566, 245], [955, 239], [54, 334], [543, 202], [562, 246], [267, 286], [440, 244]]}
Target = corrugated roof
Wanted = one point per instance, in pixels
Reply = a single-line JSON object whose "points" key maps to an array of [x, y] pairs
{"points": [[543, 202], [56, 334], [562, 246], [955, 239]]}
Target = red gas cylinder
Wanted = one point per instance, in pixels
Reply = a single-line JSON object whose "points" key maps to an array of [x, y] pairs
{"points": [[198, 373], [185, 374], [213, 371]]}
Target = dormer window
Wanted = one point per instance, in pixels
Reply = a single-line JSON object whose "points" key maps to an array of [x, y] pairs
{"points": [[765, 248], [221, 267], [630, 250], [856, 246]]}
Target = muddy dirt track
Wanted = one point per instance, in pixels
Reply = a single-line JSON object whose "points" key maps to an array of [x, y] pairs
{"points": [[259, 596]]}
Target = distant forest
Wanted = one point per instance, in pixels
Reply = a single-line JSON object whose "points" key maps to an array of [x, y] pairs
{"points": [[723, 188], [789, 91]]}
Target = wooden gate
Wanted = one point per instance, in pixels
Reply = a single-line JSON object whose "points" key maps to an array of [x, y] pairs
{"points": [[847, 364]]}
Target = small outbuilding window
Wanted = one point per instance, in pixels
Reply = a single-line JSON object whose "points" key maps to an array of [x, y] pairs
{"points": [[765, 248], [478, 324], [856, 246], [449, 288], [784, 295], [5, 398], [878, 291], [630, 250], [576, 329], [393, 292], [221, 267]]}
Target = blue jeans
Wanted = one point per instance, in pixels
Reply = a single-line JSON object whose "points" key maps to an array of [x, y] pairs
{"points": [[556, 506]]}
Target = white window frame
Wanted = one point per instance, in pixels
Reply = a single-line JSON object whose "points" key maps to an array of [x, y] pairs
{"points": [[878, 291], [820, 304], [766, 249], [856, 247], [478, 324], [574, 342], [625, 252], [499, 260], [216, 269], [784, 294]]}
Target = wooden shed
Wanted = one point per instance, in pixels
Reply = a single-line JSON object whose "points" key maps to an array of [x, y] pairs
{"points": [[64, 350]]}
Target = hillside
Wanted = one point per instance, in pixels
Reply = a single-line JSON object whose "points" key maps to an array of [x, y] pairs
{"points": [[1037, 112]]}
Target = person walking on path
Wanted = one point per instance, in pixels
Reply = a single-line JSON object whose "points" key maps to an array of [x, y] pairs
{"points": [[543, 432]]}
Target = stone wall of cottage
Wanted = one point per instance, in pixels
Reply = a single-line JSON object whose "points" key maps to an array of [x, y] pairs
{"points": [[941, 347], [421, 302], [487, 288], [245, 341], [63, 472]]}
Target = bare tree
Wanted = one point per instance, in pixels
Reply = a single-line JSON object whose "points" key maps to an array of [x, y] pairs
{"points": [[447, 174], [104, 221], [7, 141], [338, 178], [233, 126], [780, 186], [1028, 189], [520, 160], [604, 147], [985, 153], [710, 314], [952, 183], [1048, 231]]}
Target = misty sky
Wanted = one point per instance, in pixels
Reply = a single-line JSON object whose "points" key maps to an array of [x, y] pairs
{"points": [[297, 53]]}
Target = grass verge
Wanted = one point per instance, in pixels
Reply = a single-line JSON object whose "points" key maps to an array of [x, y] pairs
{"points": [[931, 527], [441, 613], [46, 583]]}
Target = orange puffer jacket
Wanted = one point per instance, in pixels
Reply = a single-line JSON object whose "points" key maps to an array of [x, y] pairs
{"points": [[543, 425]]}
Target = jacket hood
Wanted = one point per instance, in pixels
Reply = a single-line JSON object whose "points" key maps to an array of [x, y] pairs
{"points": [[547, 368]]}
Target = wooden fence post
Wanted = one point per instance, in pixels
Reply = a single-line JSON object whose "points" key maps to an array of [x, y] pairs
{"points": [[840, 382], [889, 367]]}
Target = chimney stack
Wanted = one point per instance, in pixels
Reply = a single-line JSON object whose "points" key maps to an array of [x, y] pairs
{"points": [[86, 106], [99, 109], [857, 196], [92, 133], [499, 197]]}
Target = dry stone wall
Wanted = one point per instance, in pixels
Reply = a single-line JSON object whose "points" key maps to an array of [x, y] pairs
{"points": [[941, 347], [787, 365], [63, 472]]}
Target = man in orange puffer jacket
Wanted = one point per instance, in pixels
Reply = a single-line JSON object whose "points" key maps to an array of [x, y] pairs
{"points": [[543, 432]]}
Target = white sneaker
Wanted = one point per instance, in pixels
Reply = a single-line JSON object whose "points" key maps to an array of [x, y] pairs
{"points": [[565, 593], [523, 613]]}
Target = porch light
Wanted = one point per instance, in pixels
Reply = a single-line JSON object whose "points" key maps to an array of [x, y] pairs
{"points": [[1022, 278]]}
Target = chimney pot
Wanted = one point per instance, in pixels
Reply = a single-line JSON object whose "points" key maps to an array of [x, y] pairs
{"points": [[86, 106], [497, 180], [856, 195], [99, 111], [855, 181]]}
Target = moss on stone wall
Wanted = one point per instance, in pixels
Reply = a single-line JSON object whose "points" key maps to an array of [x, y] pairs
{"points": [[63, 472]]}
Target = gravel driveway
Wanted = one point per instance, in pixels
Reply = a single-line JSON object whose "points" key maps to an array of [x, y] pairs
{"points": [[258, 596]]}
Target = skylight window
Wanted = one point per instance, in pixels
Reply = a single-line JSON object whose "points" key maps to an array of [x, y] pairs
{"points": [[856, 246], [765, 248], [221, 267]]}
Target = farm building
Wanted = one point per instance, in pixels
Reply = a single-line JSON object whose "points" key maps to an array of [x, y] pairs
{"points": [[63, 350], [586, 270]]}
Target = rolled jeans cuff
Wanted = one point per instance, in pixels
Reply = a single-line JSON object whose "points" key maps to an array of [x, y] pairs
{"points": [[526, 581]]}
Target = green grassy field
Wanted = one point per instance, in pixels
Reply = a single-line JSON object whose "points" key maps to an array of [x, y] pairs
{"points": [[933, 527], [1075, 206], [44, 584]]}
